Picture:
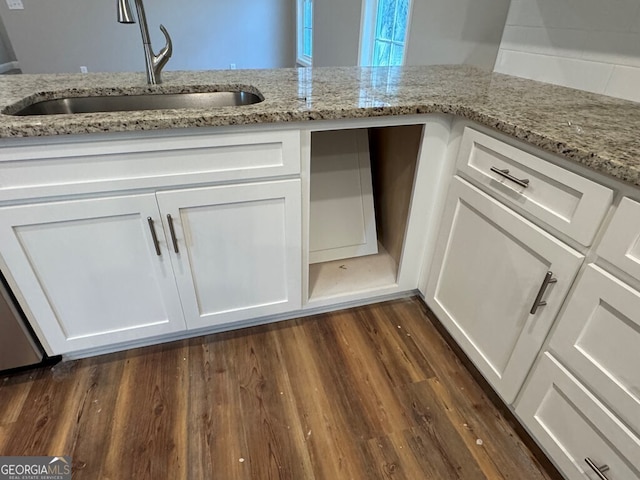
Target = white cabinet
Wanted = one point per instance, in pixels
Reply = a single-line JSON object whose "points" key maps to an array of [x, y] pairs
{"points": [[91, 275], [237, 251], [120, 267], [342, 220], [89, 271], [598, 337], [583, 399], [563, 200], [575, 428], [621, 242], [489, 270]]}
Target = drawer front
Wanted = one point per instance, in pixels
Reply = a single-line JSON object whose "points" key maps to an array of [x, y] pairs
{"points": [[565, 201], [598, 338], [572, 425], [116, 163], [621, 243]]}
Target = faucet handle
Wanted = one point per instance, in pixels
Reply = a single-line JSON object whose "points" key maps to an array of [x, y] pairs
{"points": [[161, 59]]}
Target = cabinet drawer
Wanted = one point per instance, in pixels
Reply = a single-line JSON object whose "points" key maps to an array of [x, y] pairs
{"points": [[572, 425], [621, 242], [565, 201], [598, 337], [146, 160]]}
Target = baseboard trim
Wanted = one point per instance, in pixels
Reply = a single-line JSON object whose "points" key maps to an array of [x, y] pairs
{"points": [[5, 67]]}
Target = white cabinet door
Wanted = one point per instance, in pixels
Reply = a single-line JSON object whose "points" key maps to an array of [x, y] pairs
{"points": [[238, 250], [598, 337], [488, 271], [342, 221], [89, 271], [621, 242], [575, 429]]}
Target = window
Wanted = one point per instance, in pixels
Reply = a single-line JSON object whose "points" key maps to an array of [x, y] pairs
{"points": [[304, 44], [384, 32]]}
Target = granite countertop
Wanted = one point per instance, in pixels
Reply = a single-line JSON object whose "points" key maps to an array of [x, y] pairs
{"points": [[599, 132]]}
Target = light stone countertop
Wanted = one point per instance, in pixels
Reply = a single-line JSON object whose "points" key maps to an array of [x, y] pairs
{"points": [[602, 133]]}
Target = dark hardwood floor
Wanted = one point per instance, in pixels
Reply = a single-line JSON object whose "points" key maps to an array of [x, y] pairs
{"points": [[368, 393]]}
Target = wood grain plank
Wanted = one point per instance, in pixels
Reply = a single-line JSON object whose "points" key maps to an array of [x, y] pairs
{"points": [[346, 395], [403, 361], [149, 425], [46, 423], [68, 418], [470, 410], [217, 436], [393, 459], [276, 443], [14, 391], [434, 440], [328, 419], [96, 415], [371, 389], [4, 437]]}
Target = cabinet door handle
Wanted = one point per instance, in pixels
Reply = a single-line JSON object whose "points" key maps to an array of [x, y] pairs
{"points": [[548, 280], [173, 233], [154, 236], [599, 470], [524, 182]]}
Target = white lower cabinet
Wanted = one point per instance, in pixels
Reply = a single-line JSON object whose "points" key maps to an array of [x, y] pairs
{"points": [[598, 338], [237, 251], [89, 271], [579, 433], [490, 270], [101, 271]]}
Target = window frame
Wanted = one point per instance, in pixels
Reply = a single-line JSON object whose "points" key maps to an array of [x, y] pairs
{"points": [[368, 31], [302, 59]]}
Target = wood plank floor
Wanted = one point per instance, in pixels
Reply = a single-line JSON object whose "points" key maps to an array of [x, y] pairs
{"points": [[368, 393]]}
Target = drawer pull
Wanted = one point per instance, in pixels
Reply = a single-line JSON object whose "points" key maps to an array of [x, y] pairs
{"points": [[599, 470], [154, 236], [505, 173], [173, 233], [548, 280]]}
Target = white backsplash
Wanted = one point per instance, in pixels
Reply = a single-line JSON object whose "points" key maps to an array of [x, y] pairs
{"points": [[592, 45]]}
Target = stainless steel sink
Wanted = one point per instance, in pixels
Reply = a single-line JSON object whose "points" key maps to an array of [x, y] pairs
{"points": [[127, 103]]}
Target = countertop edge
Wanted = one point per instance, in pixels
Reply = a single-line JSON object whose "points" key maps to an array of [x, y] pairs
{"points": [[595, 131]]}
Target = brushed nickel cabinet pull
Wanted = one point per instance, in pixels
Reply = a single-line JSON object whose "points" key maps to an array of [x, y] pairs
{"points": [[173, 233], [154, 236], [524, 182], [599, 470], [548, 280]]}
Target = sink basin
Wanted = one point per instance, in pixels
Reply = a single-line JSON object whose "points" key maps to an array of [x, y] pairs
{"points": [[127, 103]]}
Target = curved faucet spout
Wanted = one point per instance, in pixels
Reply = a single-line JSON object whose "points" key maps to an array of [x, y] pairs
{"points": [[154, 62], [163, 56]]}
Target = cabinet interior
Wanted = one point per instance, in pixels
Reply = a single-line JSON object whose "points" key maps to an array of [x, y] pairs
{"points": [[393, 154]]}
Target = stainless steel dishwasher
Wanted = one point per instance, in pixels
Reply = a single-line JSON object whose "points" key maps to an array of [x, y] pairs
{"points": [[18, 348]]}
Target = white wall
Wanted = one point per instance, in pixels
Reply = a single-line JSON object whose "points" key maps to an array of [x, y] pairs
{"points": [[592, 45], [456, 32], [336, 32], [441, 32], [6, 52], [61, 35]]}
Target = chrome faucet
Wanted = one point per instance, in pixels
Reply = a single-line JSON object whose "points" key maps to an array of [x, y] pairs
{"points": [[154, 62]]}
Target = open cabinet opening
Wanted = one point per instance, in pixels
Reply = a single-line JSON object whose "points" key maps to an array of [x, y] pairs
{"points": [[361, 182]]}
